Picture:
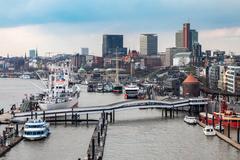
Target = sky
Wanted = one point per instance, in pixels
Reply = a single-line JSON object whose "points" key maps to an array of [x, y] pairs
{"points": [[64, 26]]}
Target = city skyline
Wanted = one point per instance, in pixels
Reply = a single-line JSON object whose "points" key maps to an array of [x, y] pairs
{"points": [[60, 26]]}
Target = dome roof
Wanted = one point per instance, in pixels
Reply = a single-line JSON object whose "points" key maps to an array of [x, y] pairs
{"points": [[190, 79], [81, 70]]}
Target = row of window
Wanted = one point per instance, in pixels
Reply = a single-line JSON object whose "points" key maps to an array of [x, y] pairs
{"points": [[34, 133]]}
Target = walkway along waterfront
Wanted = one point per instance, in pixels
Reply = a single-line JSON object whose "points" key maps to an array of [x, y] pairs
{"points": [[194, 104]]}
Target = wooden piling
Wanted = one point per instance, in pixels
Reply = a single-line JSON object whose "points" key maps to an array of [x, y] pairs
{"points": [[165, 112], [238, 135], [228, 130], [16, 132], [213, 123], [98, 138], [76, 119], [44, 115], [93, 149], [72, 115], [170, 112], [113, 116], [87, 119], [31, 114], [111, 120], [36, 115], [55, 118], [220, 124], [65, 119]]}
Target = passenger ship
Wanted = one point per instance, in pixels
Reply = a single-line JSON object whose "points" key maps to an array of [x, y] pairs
{"points": [[36, 129]]}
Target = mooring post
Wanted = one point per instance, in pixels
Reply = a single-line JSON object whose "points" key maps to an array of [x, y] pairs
{"points": [[220, 124], [101, 129], [93, 149], [171, 112], [75, 119], [213, 119], [98, 138], [44, 115], [111, 120], [87, 118], [228, 130], [4, 138], [16, 133], [206, 115], [55, 118], [72, 115], [238, 132], [65, 119], [113, 116], [31, 114]]}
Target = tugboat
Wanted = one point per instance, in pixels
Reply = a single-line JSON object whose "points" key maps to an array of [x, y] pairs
{"points": [[36, 129]]}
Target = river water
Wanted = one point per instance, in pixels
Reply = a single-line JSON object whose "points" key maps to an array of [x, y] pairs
{"points": [[136, 134]]}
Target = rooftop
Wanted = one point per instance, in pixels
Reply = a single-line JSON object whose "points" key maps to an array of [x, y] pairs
{"points": [[190, 79]]}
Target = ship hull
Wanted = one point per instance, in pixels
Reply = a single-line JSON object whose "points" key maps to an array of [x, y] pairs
{"points": [[52, 106]]}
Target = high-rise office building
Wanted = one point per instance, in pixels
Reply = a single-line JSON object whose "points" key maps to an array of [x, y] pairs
{"points": [[197, 55], [113, 44], [179, 39], [148, 44], [193, 38], [186, 37], [32, 53], [84, 51]]}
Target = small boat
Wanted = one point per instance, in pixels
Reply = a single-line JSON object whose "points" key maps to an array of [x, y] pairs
{"points": [[190, 120], [117, 88], [25, 76], [36, 129], [217, 127], [131, 91], [209, 131]]}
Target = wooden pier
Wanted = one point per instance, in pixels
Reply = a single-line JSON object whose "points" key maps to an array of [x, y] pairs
{"points": [[9, 139], [225, 138], [96, 147]]}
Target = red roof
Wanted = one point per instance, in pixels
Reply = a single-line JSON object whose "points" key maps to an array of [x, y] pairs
{"points": [[190, 79]]}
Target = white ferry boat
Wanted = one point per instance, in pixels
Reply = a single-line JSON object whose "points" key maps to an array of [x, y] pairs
{"points": [[131, 91], [35, 129], [190, 120], [209, 131]]}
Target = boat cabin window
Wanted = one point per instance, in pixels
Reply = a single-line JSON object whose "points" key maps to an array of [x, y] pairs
{"points": [[33, 133]]}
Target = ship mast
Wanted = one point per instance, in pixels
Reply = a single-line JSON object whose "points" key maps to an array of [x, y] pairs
{"points": [[117, 68]]}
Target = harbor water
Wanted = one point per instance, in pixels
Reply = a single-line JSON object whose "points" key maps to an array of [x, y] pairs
{"points": [[136, 134]]}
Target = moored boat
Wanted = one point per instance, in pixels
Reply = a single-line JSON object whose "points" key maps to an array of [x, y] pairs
{"points": [[131, 91], [190, 120], [36, 129], [209, 131]]}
